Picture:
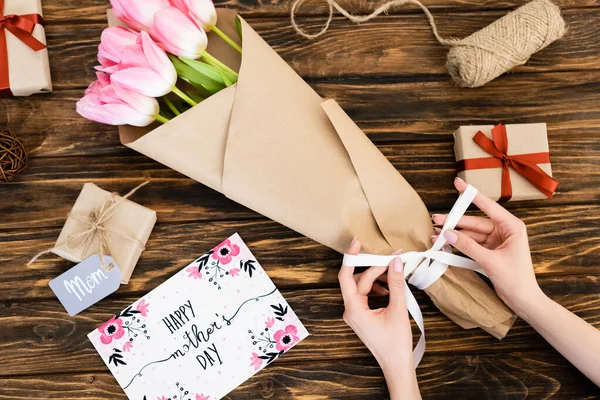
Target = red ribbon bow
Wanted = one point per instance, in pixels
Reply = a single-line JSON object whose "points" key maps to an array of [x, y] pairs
{"points": [[526, 165], [22, 27]]}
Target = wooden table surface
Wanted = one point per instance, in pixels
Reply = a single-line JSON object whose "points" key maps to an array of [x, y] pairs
{"points": [[390, 77]]}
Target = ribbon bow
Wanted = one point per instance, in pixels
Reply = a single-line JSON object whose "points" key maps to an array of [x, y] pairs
{"points": [[427, 266], [525, 165], [22, 27]]}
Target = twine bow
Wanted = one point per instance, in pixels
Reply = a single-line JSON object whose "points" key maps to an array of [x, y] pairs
{"points": [[94, 226], [22, 27], [525, 165]]}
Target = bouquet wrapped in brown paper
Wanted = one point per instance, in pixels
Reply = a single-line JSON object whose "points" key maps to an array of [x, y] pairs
{"points": [[104, 223], [24, 67], [271, 143]]}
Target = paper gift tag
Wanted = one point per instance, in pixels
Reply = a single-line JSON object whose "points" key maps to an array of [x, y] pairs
{"points": [[201, 333], [86, 283]]}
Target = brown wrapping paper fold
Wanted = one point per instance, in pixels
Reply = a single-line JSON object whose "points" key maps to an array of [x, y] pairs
{"points": [[131, 221], [29, 71], [522, 139], [272, 144]]}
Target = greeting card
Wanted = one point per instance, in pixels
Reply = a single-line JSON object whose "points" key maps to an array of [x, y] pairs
{"points": [[203, 332]]}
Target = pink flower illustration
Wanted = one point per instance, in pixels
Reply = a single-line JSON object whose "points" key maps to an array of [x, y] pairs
{"points": [[202, 397], [255, 362], [225, 251], [127, 346], [111, 329], [234, 272], [286, 339], [142, 307], [194, 272], [162, 398], [270, 322]]}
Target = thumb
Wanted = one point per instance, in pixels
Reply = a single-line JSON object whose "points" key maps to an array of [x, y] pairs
{"points": [[396, 285], [467, 245]]}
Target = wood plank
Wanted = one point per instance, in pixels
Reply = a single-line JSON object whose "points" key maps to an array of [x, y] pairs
{"points": [[394, 46], [86, 11], [418, 110], [514, 375], [44, 339], [53, 183], [563, 241]]}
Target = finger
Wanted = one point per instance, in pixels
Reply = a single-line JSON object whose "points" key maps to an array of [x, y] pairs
{"points": [[345, 276], [476, 224], [467, 245], [492, 209], [396, 285], [380, 289], [365, 283]]}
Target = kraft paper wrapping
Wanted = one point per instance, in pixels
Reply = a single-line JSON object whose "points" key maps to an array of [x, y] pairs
{"points": [[272, 144], [130, 220], [522, 139], [29, 71]]}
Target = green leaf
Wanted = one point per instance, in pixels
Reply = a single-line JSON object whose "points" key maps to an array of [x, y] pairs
{"points": [[209, 71], [238, 26], [204, 84]]}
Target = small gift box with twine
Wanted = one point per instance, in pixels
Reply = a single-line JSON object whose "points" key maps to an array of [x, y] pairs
{"points": [[106, 224], [506, 162]]}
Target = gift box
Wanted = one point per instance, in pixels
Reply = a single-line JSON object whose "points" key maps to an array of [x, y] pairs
{"points": [[506, 162], [271, 143], [123, 229], [24, 66]]}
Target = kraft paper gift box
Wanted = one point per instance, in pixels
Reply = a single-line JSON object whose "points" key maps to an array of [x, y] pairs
{"points": [[24, 66], [271, 143], [128, 230], [527, 142]]}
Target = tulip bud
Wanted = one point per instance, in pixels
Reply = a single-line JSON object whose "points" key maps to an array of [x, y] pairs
{"points": [[146, 69], [110, 104], [113, 41], [200, 11], [138, 14], [177, 34]]}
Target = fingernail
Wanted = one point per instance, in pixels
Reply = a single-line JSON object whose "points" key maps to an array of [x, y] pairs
{"points": [[397, 265], [437, 230], [433, 238], [458, 179], [450, 237], [434, 216], [353, 241], [397, 252]]}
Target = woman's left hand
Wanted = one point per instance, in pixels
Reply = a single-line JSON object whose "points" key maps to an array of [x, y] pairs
{"points": [[386, 331]]}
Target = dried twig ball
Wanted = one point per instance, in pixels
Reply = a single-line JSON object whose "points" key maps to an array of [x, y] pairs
{"points": [[13, 156]]}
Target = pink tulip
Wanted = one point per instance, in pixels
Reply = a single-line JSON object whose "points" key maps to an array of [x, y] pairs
{"points": [[177, 34], [110, 104], [145, 68], [200, 11], [114, 40], [138, 14]]}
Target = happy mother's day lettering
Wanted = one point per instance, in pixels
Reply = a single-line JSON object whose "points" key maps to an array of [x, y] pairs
{"points": [[196, 338]]}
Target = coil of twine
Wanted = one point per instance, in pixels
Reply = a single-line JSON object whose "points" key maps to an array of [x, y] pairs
{"points": [[487, 53], [13, 156]]}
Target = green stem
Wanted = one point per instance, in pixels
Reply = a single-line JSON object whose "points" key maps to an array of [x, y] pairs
{"points": [[161, 119], [213, 61], [184, 96], [172, 106], [226, 38]]}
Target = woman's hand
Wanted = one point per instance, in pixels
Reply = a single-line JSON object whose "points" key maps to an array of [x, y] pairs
{"points": [[500, 245], [386, 331]]}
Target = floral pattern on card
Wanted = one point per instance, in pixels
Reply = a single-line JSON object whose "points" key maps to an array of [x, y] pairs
{"points": [[202, 332]]}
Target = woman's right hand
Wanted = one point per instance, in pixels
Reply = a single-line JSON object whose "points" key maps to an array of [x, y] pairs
{"points": [[501, 246]]}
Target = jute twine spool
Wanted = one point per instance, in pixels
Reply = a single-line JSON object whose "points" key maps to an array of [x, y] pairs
{"points": [[13, 156], [489, 52]]}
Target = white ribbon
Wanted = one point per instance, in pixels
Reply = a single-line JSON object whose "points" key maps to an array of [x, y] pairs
{"points": [[426, 267]]}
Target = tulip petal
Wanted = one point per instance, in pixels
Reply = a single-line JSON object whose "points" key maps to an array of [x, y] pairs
{"points": [[178, 34], [128, 115], [88, 108], [158, 59], [144, 104], [142, 81]]}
